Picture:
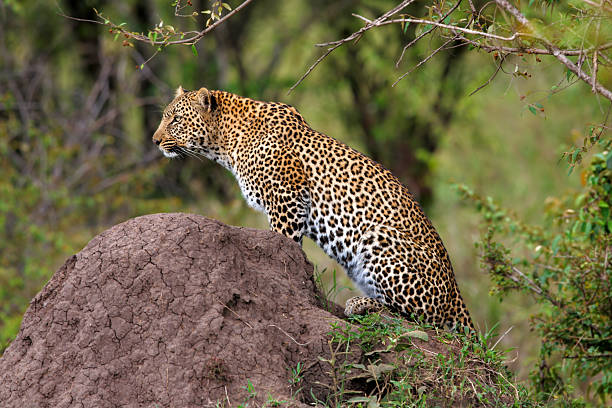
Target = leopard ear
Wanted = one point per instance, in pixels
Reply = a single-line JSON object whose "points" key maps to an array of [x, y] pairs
{"points": [[179, 91], [206, 100]]}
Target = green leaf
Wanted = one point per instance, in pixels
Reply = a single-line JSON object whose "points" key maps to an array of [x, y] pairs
{"points": [[403, 346], [359, 399], [532, 109], [417, 334], [377, 369], [555, 244], [194, 50]]}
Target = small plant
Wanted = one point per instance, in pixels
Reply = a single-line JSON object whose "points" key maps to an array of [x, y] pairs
{"points": [[250, 389], [296, 379], [274, 402], [251, 394], [296, 374], [328, 294]]}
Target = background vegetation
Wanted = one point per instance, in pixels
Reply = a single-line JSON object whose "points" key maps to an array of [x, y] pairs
{"points": [[78, 107]]}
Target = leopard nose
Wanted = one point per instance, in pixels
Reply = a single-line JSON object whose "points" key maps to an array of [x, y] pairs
{"points": [[157, 137]]}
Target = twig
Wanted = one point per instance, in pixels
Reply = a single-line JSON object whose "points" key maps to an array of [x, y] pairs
{"points": [[591, 3], [210, 27], [535, 51], [516, 393], [423, 61], [501, 62], [472, 384], [502, 336], [504, 4], [288, 335], [356, 34], [594, 70], [312, 67], [531, 284], [227, 396], [592, 356], [534, 287], [236, 314], [423, 34], [606, 93], [442, 25]]}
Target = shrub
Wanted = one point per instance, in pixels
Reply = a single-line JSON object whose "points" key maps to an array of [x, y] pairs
{"points": [[567, 268]]}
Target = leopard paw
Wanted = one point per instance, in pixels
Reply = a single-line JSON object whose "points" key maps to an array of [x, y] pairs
{"points": [[360, 305]]}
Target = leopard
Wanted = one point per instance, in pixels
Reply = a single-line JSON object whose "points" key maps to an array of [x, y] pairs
{"points": [[310, 184]]}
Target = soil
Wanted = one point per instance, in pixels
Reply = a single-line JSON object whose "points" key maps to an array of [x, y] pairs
{"points": [[177, 310], [172, 310]]}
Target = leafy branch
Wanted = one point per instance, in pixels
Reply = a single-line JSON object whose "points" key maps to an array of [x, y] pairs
{"points": [[163, 35]]}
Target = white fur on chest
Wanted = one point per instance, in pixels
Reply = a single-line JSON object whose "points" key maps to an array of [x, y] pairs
{"points": [[249, 193], [350, 256]]}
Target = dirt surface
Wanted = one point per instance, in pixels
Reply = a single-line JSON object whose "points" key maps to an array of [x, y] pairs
{"points": [[171, 310]]}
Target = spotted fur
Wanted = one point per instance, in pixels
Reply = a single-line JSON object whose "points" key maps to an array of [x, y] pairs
{"points": [[309, 184]]}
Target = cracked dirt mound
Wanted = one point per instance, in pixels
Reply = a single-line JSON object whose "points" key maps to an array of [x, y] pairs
{"points": [[170, 310]]}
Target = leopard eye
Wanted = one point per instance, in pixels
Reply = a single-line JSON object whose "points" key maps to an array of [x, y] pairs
{"points": [[175, 120]]}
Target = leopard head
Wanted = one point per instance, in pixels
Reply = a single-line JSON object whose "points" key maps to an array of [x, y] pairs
{"points": [[189, 125]]}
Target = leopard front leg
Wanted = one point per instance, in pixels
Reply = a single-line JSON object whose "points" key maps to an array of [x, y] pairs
{"points": [[288, 213], [287, 197]]}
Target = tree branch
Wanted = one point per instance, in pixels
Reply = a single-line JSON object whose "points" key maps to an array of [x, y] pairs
{"points": [[460, 32], [335, 44], [441, 25], [558, 54]]}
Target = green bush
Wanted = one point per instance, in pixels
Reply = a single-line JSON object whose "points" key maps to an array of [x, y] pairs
{"points": [[567, 268]]}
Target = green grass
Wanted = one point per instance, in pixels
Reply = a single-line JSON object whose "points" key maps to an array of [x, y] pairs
{"points": [[404, 365]]}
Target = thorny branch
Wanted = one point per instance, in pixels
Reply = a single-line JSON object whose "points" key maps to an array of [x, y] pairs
{"points": [[479, 38]]}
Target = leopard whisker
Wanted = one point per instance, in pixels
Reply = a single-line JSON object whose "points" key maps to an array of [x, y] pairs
{"points": [[189, 152]]}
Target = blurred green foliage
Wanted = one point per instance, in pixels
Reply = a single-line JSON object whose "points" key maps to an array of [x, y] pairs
{"points": [[78, 108]]}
